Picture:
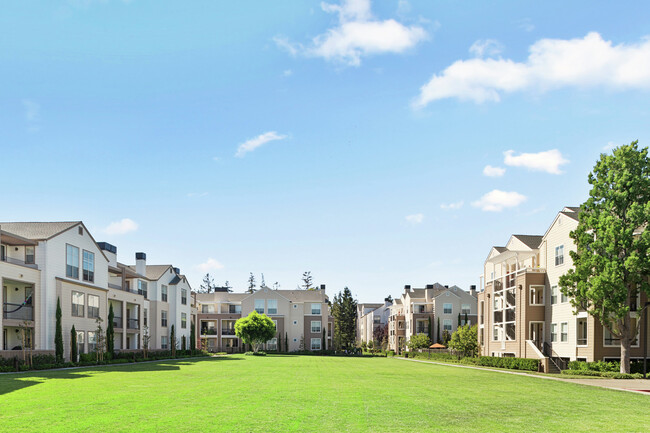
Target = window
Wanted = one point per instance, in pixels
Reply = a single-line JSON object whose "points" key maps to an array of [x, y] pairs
{"points": [[315, 308], [272, 344], [142, 288], [315, 344], [447, 308], [272, 306], [559, 255], [72, 262], [496, 333], [77, 304], [92, 341], [553, 332], [563, 298], [610, 340], [93, 306], [536, 295], [315, 326], [29, 255], [234, 309], [183, 320], [259, 306], [88, 266], [553, 295], [146, 315], [163, 318], [207, 308], [163, 342], [163, 293], [81, 339], [465, 309], [581, 336], [446, 325], [564, 332], [184, 296]]}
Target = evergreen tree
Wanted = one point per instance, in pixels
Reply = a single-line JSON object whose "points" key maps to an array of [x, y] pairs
{"points": [[192, 338], [183, 344], [430, 330], [279, 342], [110, 333], [251, 284], [466, 319], [58, 334], [324, 345], [73, 345], [307, 280], [344, 311], [286, 342], [172, 341], [458, 320], [208, 284], [438, 340]]}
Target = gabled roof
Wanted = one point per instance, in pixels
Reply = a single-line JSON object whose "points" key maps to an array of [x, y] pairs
{"points": [[571, 211], [38, 231], [154, 272], [531, 241]]}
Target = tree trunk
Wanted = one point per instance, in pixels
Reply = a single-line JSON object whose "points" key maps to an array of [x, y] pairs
{"points": [[625, 355]]}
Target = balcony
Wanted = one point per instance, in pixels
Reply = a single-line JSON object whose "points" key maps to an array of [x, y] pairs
{"points": [[227, 331], [117, 322], [133, 323], [18, 262], [208, 331], [17, 311]]}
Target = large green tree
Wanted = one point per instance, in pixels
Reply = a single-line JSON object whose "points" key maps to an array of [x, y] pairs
{"points": [[419, 341], [344, 311], [611, 263], [464, 341], [255, 329]]}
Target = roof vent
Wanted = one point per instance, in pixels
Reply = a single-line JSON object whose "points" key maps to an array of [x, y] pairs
{"points": [[429, 286], [105, 246], [140, 256]]}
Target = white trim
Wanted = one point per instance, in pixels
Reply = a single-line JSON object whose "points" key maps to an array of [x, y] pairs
{"points": [[530, 297]]}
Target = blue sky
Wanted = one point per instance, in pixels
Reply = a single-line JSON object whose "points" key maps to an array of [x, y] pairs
{"points": [[349, 139]]}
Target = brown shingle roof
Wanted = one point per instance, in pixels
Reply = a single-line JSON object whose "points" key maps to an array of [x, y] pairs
{"points": [[38, 230], [531, 241]]}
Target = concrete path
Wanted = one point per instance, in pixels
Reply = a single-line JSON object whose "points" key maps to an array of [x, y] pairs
{"points": [[638, 386]]}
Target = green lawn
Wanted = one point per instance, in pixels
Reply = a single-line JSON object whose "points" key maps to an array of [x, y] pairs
{"points": [[307, 394]]}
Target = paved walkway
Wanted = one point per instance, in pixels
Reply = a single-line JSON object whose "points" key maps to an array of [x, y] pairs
{"points": [[638, 386]]}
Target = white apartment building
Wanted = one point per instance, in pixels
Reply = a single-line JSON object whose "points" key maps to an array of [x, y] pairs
{"points": [[370, 317]]}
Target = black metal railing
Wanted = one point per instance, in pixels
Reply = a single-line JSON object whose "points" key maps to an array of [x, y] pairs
{"points": [[133, 324], [560, 363], [17, 311], [227, 331], [13, 261], [208, 331], [117, 322]]}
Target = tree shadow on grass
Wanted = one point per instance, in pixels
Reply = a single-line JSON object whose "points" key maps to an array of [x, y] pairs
{"points": [[17, 381]]}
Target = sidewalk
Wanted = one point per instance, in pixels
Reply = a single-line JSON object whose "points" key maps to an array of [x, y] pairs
{"points": [[638, 386]]}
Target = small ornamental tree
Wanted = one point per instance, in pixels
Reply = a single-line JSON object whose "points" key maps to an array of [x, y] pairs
{"points": [[612, 257], [110, 333], [146, 338], [324, 345], [255, 329], [465, 341], [73, 345], [58, 334], [100, 340], [419, 341], [279, 342]]}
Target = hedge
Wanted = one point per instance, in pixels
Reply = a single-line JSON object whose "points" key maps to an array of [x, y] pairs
{"points": [[508, 362], [602, 366], [607, 374]]}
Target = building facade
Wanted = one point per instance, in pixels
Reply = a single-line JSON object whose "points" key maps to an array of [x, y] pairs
{"points": [[370, 318]]}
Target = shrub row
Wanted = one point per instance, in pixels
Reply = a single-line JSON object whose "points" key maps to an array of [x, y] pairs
{"points": [[602, 366], [260, 353], [608, 374], [512, 363]]}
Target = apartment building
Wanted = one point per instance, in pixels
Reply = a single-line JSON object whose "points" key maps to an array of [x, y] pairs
{"points": [[521, 310], [370, 317], [299, 315], [45, 262], [411, 313]]}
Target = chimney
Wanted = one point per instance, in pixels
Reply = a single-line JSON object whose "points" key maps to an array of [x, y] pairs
{"points": [[407, 288], [110, 251], [141, 263], [429, 286], [472, 290], [387, 302], [322, 286], [446, 286], [177, 270]]}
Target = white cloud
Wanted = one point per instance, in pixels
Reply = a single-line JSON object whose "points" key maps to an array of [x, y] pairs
{"points": [[358, 34], [452, 206], [254, 143], [209, 265], [121, 227], [415, 218], [496, 200], [548, 161], [486, 47], [611, 145], [552, 63], [494, 171]]}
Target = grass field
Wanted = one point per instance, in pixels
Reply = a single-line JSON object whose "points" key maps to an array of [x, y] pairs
{"points": [[308, 394]]}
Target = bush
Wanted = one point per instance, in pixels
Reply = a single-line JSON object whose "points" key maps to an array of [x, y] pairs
{"points": [[260, 353], [390, 353], [508, 362], [607, 374]]}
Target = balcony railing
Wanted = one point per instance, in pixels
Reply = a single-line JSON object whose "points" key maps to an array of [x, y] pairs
{"points": [[208, 331], [117, 322], [133, 324], [17, 311], [227, 331], [18, 262]]}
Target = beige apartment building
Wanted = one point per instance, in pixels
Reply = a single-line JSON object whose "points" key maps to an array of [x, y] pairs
{"points": [[370, 317], [301, 316], [411, 313], [522, 312]]}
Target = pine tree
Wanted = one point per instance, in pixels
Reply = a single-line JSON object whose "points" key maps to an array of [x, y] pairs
{"points": [[73, 345], [183, 344], [58, 334], [344, 311], [307, 280], [208, 284], [110, 333], [251, 284]]}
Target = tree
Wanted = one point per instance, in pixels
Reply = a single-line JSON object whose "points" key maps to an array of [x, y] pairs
{"points": [[430, 330], [380, 332], [301, 345], [26, 342], [276, 286], [419, 341], [465, 341], [612, 257], [255, 329], [445, 337], [438, 340], [458, 326], [172, 341], [324, 345], [466, 319], [307, 280], [262, 282], [193, 338], [389, 299], [208, 284], [227, 286], [146, 338], [110, 333], [279, 342], [251, 284], [58, 334], [100, 340], [183, 343], [286, 342], [344, 311], [73, 345]]}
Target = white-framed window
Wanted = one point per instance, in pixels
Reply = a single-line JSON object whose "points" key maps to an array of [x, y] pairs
{"points": [[536, 296], [496, 332], [93, 306], [163, 342], [559, 255], [77, 304], [71, 262], [315, 344], [207, 308], [183, 320], [259, 306], [446, 325], [609, 339], [184, 296], [142, 288], [315, 308], [581, 331], [163, 318], [92, 341], [163, 293], [465, 309], [564, 332], [447, 308], [553, 332], [272, 306], [315, 326], [88, 266], [81, 339], [30, 257], [553, 295]]}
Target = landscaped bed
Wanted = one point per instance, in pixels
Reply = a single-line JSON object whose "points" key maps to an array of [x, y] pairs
{"points": [[306, 393]]}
